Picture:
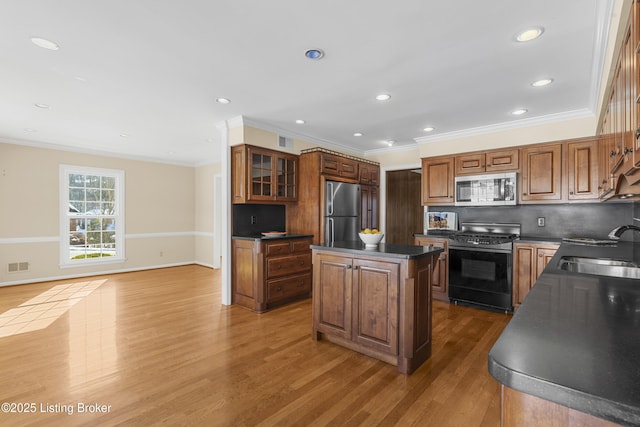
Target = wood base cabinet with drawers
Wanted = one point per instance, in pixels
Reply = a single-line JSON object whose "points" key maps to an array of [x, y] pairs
{"points": [[440, 274], [529, 259], [267, 274]]}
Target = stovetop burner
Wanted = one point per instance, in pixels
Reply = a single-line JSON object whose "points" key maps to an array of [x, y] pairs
{"points": [[489, 235]]}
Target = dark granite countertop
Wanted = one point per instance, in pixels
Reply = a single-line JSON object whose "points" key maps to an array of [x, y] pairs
{"points": [[575, 340], [539, 240], [261, 237], [382, 250]]}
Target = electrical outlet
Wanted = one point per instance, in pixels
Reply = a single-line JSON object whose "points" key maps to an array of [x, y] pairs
{"points": [[254, 219], [541, 221]]}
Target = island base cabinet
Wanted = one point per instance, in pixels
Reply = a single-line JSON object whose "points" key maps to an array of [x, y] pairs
{"points": [[378, 307], [521, 409]]}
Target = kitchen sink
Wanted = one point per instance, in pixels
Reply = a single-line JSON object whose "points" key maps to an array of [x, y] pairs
{"points": [[600, 267]]}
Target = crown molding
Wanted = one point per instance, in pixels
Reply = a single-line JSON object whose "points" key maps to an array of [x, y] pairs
{"points": [[517, 124], [298, 135]]}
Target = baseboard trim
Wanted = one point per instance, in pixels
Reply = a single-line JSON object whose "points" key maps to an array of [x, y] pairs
{"points": [[99, 273]]}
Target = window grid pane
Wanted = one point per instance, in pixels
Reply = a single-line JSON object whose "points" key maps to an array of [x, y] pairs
{"points": [[92, 207]]}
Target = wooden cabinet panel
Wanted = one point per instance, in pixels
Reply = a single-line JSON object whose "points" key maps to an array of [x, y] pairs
{"points": [[332, 295], [488, 162], [376, 305], [582, 170], [529, 260], [266, 274], [503, 160], [369, 202], [369, 174], [282, 266], [440, 270], [470, 164], [339, 166], [288, 287], [437, 181], [375, 300], [260, 175], [541, 173]]}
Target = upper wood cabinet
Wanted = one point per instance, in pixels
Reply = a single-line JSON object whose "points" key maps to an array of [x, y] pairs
{"points": [[260, 175], [339, 166], [492, 161], [369, 202], [582, 170], [369, 174], [541, 179], [437, 181]]}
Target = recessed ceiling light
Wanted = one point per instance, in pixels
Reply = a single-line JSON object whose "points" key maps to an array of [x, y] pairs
{"points": [[43, 106], [383, 97], [519, 112], [530, 34], [542, 82], [44, 43], [357, 134], [429, 129], [81, 79], [124, 135], [223, 100], [300, 122], [314, 54], [30, 130], [390, 142]]}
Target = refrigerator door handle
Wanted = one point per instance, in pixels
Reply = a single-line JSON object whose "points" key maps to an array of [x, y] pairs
{"points": [[332, 231], [330, 198]]}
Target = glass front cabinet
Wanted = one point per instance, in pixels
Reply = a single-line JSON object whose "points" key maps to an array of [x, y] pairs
{"points": [[263, 175]]}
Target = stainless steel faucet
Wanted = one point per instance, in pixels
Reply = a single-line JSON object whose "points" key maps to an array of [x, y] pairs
{"points": [[617, 232]]}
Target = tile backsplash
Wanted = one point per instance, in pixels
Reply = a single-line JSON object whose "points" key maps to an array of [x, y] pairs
{"points": [[251, 220], [593, 220]]}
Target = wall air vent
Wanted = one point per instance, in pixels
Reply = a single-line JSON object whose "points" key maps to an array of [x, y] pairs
{"points": [[15, 267], [284, 142]]}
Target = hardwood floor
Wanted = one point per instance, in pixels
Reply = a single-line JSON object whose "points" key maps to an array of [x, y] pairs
{"points": [[157, 347]]}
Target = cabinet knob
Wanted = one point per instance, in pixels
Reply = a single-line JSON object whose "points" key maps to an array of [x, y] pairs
{"points": [[279, 288], [612, 153], [637, 133], [628, 150], [301, 262], [525, 194], [301, 283], [355, 267], [348, 267], [571, 192]]}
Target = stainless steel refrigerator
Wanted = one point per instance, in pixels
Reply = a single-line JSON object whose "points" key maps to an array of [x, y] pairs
{"points": [[341, 212]]}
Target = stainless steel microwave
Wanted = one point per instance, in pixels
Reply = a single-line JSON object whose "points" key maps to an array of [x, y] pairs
{"points": [[486, 190]]}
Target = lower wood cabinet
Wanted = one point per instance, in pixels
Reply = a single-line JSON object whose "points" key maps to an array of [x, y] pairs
{"points": [[380, 307], [529, 259], [266, 274], [440, 274]]}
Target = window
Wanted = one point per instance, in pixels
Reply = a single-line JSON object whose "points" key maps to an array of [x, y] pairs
{"points": [[92, 215]]}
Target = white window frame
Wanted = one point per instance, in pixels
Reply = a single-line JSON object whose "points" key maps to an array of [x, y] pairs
{"points": [[118, 175]]}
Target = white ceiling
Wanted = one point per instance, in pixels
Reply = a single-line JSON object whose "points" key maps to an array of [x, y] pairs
{"points": [[152, 69]]}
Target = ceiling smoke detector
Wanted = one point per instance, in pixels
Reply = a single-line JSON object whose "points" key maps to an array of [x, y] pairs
{"points": [[314, 54]]}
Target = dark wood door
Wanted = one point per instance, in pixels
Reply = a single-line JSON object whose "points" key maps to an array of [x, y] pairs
{"points": [[542, 173], [404, 212], [332, 295], [375, 304]]}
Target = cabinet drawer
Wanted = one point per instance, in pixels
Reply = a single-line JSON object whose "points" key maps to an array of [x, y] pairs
{"points": [[283, 266], [301, 245], [277, 248], [288, 287]]}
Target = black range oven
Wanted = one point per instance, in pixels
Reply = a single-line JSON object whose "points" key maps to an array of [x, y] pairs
{"points": [[481, 264]]}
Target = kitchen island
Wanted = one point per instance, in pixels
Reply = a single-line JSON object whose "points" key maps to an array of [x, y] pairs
{"points": [[571, 353], [376, 301]]}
